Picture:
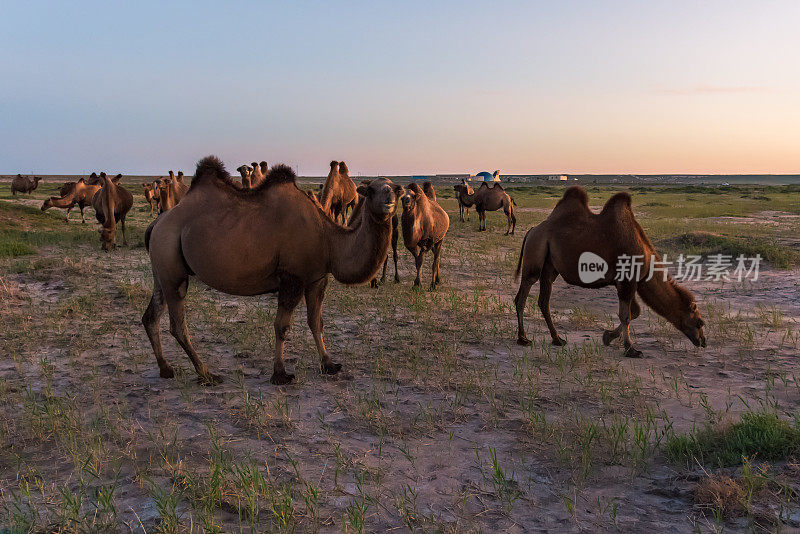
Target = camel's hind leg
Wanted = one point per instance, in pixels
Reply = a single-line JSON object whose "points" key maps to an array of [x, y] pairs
{"points": [[315, 294], [525, 284], [289, 294], [437, 250], [150, 320], [549, 274], [124, 237], [83, 219], [509, 215], [611, 335]]}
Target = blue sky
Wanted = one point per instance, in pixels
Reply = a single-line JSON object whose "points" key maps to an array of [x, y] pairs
{"points": [[401, 87]]}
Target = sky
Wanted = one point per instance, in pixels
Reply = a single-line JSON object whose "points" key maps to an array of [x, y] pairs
{"points": [[398, 88]]}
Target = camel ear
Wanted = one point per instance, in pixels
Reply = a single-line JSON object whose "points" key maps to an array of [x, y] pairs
{"points": [[693, 306]]}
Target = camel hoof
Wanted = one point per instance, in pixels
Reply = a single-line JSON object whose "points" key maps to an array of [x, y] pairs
{"points": [[396, 279], [167, 373], [631, 352], [608, 337], [558, 342], [280, 379], [373, 283], [209, 379], [331, 368], [523, 341]]}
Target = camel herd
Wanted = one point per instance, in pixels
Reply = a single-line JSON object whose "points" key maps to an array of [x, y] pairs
{"points": [[206, 230]]}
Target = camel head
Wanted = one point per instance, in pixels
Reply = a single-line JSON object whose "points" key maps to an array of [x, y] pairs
{"points": [[264, 167], [409, 198], [47, 204], [115, 180], [691, 323], [108, 236], [180, 176], [36, 179], [334, 168], [171, 174], [245, 170], [380, 199], [463, 187]]}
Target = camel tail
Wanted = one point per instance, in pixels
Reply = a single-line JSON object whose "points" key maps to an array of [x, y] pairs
{"points": [[519, 261]]}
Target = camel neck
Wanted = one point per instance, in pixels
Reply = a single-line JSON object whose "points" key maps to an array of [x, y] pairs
{"points": [[109, 204], [662, 297], [356, 252]]}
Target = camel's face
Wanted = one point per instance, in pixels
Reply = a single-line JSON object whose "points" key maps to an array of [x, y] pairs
{"points": [[245, 170], [46, 204], [692, 326], [409, 199], [108, 237], [380, 198]]}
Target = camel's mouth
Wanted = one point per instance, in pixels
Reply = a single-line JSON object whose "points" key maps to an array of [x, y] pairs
{"points": [[389, 207]]}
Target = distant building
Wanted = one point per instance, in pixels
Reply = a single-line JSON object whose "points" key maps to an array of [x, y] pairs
{"points": [[557, 178]]}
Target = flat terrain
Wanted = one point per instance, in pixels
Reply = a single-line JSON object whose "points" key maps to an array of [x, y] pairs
{"points": [[438, 422]]}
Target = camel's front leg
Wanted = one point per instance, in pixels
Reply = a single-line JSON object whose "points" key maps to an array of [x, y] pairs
{"points": [[611, 335], [626, 292], [66, 217], [315, 294], [419, 255], [437, 250], [289, 294], [83, 219]]}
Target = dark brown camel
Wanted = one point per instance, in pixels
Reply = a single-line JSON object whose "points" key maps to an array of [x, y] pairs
{"points": [[398, 192], [111, 205], [489, 199], [338, 192], [210, 235], [463, 209], [246, 172], [556, 246], [24, 184], [73, 193], [424, 225]]}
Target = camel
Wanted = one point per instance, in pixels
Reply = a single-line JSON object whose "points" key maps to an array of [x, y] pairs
{"points": [[463, 209], [398, 192], [210, 235], [171, 191], [246, 171], [111, 205], [152, 194], [424, 225], [73, 193], [488, 199], [339, 192], [24, 185], [558, 246], [259, 173]]}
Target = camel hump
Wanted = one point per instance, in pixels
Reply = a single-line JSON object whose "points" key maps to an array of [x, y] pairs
{"points": [[343, 168], [619, 200], [280, 174], [210, 167], [575, 194], [430, 192], [334, 164]]}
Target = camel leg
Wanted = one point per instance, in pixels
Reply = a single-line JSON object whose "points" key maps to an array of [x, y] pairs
{"points": [[611, 335], [83, 219], [418, 257], [395, 234], [508, 220], [66, 217], [289, 294], [150, 320], [437, 249], [176, 302], [627, 293], [546, 280], [124, 237], [315, 294]]}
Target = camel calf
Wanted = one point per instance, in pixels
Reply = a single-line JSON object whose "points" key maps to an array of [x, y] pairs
{"points": [[555, 247], [424, 225]]}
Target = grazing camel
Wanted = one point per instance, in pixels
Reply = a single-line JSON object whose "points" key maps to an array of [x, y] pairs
{"points": [[152, 194], [210, 235], [338, 192], [424, 224], [246, 171], [73, 193], [489, 199], [563, 241], [111, 205], [463, 209], [398, 192], [24, 185]]}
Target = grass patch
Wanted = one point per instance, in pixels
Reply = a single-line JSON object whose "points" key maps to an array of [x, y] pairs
{"points": [[706, 243], [11, 248], [758, 435]]}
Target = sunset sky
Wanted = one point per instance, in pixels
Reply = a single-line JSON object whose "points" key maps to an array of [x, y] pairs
{"points": [[402, 87]]}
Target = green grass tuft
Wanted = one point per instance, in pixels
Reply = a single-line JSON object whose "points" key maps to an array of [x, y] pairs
{"points": [[11, 248], [758, 435]]}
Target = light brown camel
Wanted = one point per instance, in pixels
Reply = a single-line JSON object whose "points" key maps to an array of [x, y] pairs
{"points": [[561, 245], [24, 184], [489, 199], [398, 192], [463, 209], [93, 179], [152, 194], [73, 193], [171, 191], [424, 225], [259, 173], [338, 192], [246, 172], [210, 235], [111, 205]]}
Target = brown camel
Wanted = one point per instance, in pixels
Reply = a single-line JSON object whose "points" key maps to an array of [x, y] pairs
{"points": [[424, 224], [111, 205], [93, 179], [171, 191], [24, 184], [338, 192], [398, 192], [152, 194], [246, 171], [73, 193], [572, 239], [463, 209], [210, 235], [259, 173], [488, 199]]}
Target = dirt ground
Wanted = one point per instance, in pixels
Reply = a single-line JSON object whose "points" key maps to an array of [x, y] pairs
{"points": [[438, 422]]}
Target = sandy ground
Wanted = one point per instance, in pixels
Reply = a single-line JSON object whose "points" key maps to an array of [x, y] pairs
{"points": [[433, 387]]}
